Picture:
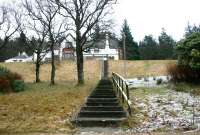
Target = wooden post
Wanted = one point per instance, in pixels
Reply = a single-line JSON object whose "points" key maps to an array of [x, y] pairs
{"points": [[129, 111], [127, 91], [122, 91], [119, 86]]}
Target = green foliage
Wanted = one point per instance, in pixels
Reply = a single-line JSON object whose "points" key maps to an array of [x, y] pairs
{"points": [[166, 45], [132, 49], [18, 85], [148, 48], [188, 51], [10, 82], [151, 50]]}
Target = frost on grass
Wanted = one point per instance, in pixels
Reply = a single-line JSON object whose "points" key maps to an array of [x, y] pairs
{"points": [[169, 111]]}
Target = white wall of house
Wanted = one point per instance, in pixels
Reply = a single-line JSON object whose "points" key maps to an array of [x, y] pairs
{"points": [[102, 53], [46, 55]]}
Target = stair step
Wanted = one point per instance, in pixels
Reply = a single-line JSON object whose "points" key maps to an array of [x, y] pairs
{"points": [[102, 99], [97, 114], [105, 83], [104, 87], [102, 108], [100, 93], [102, 103], [103, 91], [102, 96], [103, 119]]}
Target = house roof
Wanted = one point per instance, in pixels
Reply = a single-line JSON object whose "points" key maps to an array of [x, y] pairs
{"points": [[113, 43], [20, 57]]}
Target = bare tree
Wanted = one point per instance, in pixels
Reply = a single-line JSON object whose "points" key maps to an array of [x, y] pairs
{"points": [[9, 24], [38, 43], [47, 13], [84, 15]]}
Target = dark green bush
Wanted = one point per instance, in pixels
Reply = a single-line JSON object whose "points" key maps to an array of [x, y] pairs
{"points": [[10, 82], [18, 85]]}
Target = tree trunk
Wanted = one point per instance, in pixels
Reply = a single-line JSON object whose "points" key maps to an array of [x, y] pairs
{"points": [[37, 69], [79, 54], [53, 69]]}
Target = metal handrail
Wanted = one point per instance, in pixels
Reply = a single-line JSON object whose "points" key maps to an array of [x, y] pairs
{"points": [[122, 89]]}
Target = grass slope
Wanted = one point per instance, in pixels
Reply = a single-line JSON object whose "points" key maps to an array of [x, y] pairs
{"points": [[141, 67]]}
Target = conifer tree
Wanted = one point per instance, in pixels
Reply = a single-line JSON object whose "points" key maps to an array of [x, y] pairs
{"points": [[132, 49]]}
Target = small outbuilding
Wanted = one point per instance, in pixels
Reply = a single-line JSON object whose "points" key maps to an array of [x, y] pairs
{"points": [[22, 57]]}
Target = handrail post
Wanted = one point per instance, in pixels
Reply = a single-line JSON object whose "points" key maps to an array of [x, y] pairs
{"points": [[127, 91], [122, 83], [119, 85]]}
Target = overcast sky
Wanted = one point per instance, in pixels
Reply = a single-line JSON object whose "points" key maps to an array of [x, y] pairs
{"points": [[150, 16]]}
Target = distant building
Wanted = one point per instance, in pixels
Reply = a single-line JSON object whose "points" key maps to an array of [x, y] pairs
{"points": [[22, 57], [61, 52], [104, 48]]}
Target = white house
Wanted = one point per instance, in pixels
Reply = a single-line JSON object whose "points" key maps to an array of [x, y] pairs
{"points": [[105, 48], [22, 57]]}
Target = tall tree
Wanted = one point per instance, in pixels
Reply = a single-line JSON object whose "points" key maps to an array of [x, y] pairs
{"points": [[166, 45], [148, 48], [132, 49], [84, 15], [46, 12], [39, 37]]}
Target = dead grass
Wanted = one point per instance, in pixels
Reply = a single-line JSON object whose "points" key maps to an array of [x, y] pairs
{"points": [[41, 108], [141, 68]]}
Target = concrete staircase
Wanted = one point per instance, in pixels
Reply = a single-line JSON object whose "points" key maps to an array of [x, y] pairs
{"points": [[102, 106]]}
